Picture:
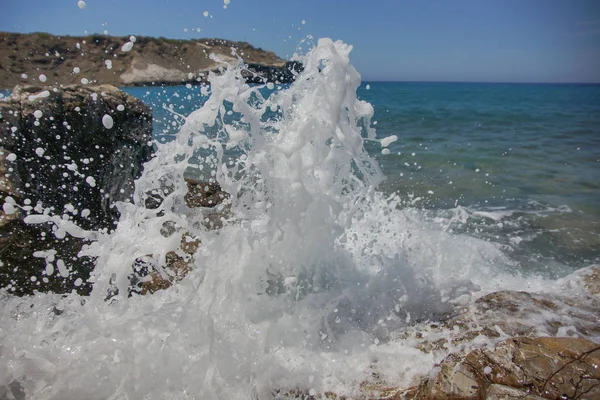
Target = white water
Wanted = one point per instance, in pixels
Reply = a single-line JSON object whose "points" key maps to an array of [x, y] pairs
{"points": [[343, 266]]}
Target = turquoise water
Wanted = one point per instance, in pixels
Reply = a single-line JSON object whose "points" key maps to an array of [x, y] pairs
{"points": [[489, 187], [521, 161]]}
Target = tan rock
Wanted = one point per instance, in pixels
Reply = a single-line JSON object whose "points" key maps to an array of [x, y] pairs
{"points": [[521, 368], [150, 60], [500, 392], [590, 280], [176, 266]]}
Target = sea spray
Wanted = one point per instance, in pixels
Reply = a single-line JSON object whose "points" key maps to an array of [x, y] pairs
{"points": [[305, 285]]}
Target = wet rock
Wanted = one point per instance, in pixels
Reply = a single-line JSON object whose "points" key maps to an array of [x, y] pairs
{"points": [[59, 270], [591, 281], [204, 194], [587, 279], [482, 361], [60, 148], [520, 368], [60, 153], [286, 73], [571, 311], [176, 266], [501, 392]]}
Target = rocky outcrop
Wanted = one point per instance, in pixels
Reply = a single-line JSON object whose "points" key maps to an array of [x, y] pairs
{"points": [[128, 61], [505, 345], [76, 147], [519, 368], [204, 194], [72, 153]]}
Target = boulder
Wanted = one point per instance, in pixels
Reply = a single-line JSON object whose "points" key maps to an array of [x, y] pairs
{"points": [[78, 145], [177, 265], [70, 152]]}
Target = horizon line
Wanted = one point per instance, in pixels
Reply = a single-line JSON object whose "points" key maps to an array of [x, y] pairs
{"points": [[487, 82]]}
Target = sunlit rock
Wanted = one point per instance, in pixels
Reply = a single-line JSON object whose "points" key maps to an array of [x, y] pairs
{"points": [[176, 266], [525, 368]]}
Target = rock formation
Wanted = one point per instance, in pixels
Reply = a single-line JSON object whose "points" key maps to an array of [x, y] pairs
{"points": [[505, 345], [208, 196], [69, 152], [519, 368]]}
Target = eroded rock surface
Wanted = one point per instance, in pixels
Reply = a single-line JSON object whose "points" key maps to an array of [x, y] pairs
{"points": [[103, 59], [520, 368]]}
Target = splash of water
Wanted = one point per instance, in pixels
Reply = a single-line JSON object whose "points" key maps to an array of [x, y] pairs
{"points": [[302, 286]]}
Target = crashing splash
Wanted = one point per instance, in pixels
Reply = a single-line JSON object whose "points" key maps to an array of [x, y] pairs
{"points": [[310, 271]]}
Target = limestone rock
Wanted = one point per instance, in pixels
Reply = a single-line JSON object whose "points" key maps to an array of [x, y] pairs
{"points": [[520, 368], [151, 61]]}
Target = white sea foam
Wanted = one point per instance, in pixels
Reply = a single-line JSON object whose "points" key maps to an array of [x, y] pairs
{"points": [[306, 284], [107, 121], [127, 46]]}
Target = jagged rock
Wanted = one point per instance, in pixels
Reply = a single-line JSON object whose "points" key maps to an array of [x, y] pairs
{"points": [[177, 266], [204, 194], [587, 279], [573, 310], [179, 263], [60, 153], [61, 271], [522, 368]]}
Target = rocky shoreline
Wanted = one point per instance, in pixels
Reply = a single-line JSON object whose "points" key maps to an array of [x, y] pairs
{"points": [[505, 345], [80, 148], [44, 59]]}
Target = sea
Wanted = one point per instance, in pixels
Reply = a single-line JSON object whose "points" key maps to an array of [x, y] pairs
{"points": [[357, 211], [521, 160]]}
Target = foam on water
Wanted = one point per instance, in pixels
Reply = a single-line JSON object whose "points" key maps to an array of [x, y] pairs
{"points": [[304, 285]]}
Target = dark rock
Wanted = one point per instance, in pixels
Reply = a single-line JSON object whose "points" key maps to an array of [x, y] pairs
{"points": [[57, 156], [258, 73], [22, 273], [74, 145]]}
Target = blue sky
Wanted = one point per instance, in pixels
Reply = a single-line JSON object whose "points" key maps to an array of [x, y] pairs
{"points": [[412, 40]]}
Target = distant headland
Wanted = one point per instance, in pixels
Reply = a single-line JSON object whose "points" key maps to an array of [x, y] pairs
{"points": [[129, 61]]}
